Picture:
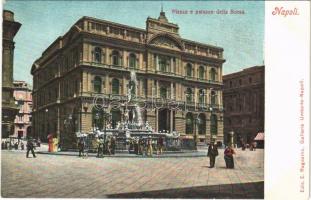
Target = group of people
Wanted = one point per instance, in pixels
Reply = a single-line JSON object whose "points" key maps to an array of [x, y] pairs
{"points": [[12, 145], [146, 146], [30, 146], [212, 153], [107, 146], [104, 146], [252, 146]]}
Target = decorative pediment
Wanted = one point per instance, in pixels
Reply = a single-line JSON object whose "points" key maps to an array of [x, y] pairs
{"points": [[166, 41]]}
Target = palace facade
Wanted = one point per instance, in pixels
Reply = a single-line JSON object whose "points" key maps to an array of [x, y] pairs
{"points": [[244, 103], [9, 109], [22, 122], [87, 73]]}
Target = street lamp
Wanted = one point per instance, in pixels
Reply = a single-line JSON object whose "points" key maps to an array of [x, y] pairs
{"points": [[67, 122], [96, 121], [72, 124], [231, 137], [213, 137], [106, 117], [46, 117], [197, 121]]}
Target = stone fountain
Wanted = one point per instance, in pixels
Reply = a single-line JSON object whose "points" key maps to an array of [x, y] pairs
{"points": [[130, 130]]}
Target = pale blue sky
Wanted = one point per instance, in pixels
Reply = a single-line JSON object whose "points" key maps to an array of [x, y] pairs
{"points": [[241, 36]]}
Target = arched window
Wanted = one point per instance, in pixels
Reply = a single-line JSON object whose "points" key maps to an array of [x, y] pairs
{"points": [[188, 95], [97, 84], [163, 93], [201, 72], [97, 118], [202, 124], [115, 86], [132, 61], [189, 123], [214, 124], [116, 58], [97, 55], [213, 98], [213, 74], [201, 96], [189, 70]]}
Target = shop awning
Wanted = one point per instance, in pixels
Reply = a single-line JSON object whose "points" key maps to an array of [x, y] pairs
{"points": [[260, 136]]}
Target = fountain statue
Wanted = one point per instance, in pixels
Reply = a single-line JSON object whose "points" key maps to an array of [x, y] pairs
{"points": [[128, 130]]}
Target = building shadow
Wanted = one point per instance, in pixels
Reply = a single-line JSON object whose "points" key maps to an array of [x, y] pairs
{"points": [[253, 190]]}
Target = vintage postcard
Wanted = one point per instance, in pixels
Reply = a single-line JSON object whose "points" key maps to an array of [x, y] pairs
{"points": [[155, 99]]}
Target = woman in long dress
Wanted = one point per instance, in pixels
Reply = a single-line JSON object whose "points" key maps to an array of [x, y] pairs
{"points": [[228, 155]]}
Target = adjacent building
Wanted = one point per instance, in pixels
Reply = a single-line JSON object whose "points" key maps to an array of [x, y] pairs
{"points": [[178, 81], [244, 102], [9, 108], [23, 98]]}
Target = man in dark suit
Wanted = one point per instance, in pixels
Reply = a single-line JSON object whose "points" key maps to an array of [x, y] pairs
{"points": [[212, 153], [81, 146], [30, 147]]}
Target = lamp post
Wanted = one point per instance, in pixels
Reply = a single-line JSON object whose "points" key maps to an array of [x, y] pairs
{"points": [[96, 121], [213, 137], [197, 121], [231, 137], [67, 122], [46, 113], [85, 108], [106, 118]]}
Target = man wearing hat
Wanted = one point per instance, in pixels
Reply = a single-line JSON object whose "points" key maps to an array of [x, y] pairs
{"points": [[30, 147], [212, 153]]}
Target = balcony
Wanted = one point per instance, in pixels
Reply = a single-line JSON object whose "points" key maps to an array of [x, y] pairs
{"points": [[106, 66], [191, 78], [152, 103]]}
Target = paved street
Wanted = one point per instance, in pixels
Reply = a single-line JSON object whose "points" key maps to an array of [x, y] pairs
{"points": [[62, 176]]}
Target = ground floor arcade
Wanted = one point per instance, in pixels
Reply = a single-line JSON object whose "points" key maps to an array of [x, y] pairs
{"points": [[64, 120]]}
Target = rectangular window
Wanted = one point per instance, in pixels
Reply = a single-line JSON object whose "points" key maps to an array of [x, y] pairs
{"points": [[145, 87]]}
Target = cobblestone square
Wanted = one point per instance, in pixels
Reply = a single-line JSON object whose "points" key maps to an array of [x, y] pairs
{"points": [[60, 176]]}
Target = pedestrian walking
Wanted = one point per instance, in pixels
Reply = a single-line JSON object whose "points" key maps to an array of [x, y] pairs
{"points": [[6, 144], [254, 145], [38, 142], [108, 145], [212, 153], [100, 146], [160, 145], [141, 145], [30, 147], [243, 146], [16, 146], [22, 146], [228, 156], [113, 145], [149, 147], [81, 146], [251, 147], [136, 146]]}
